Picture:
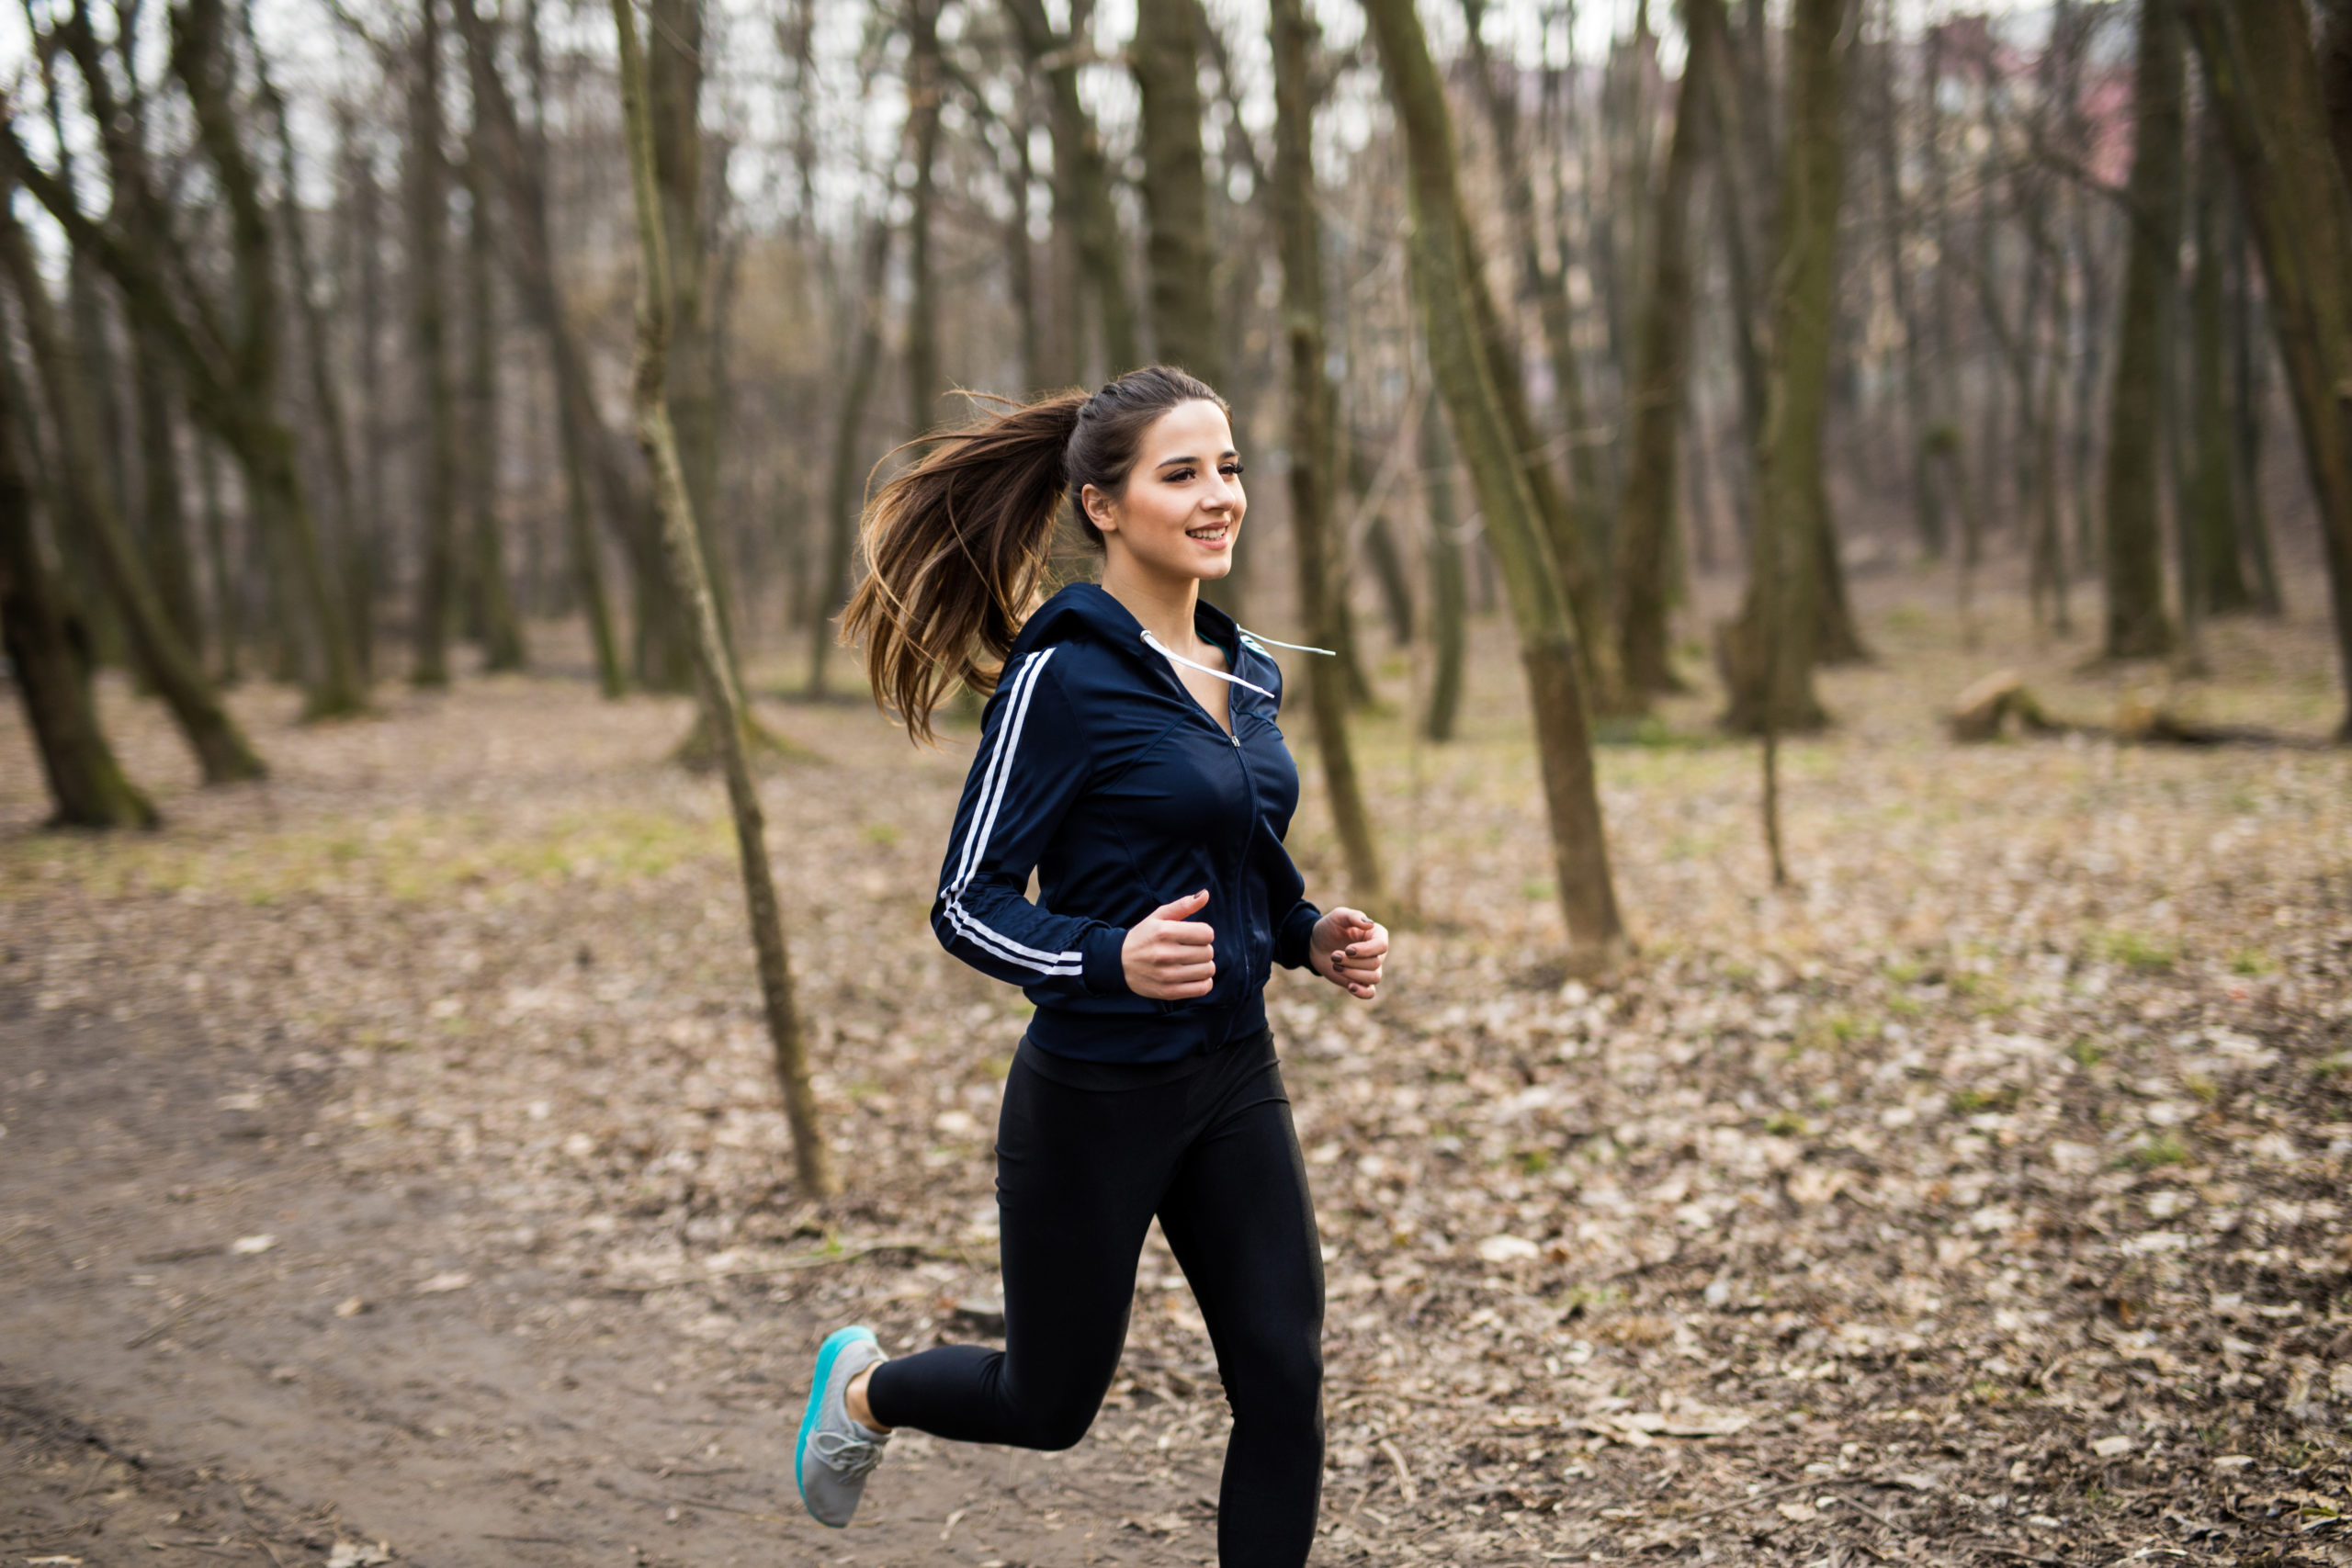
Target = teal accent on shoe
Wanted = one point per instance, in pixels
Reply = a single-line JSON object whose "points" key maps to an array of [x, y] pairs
{"points": [[814, 1421]]}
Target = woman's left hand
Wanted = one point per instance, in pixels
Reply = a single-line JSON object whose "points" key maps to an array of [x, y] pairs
{"points": [[1347, 948]]}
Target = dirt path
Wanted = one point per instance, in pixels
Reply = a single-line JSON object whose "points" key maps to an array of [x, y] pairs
{"points": [[190, 1364], [1977, 1200]]}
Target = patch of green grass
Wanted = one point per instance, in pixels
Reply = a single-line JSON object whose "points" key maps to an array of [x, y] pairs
{"points": [[1975, 1101], [2136, 950], [2252, 961], [2338, 1066], [1534, 1161], [1827, 1032], [884, 834], [1788, 1124], [2202, 1086], [1905, 971], [1536, 890], [2085, 1050], [2162, 1150], [412, 857]]}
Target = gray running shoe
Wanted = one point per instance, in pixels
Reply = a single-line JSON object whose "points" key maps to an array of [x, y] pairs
{"points": [[836, 1451]]}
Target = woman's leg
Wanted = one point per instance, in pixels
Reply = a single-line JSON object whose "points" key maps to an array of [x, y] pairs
{"points": [[1077, 1176], [1238, 1218]]}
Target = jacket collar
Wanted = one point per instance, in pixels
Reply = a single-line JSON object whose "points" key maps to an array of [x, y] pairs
{"points": [[1087, 610]]}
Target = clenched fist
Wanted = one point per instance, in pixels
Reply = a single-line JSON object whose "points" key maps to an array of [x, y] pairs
{"points": [[1346, 948], [1168, 957]]}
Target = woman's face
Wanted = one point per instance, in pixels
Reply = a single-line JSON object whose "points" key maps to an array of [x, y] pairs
{"points": [[1183, 502]]}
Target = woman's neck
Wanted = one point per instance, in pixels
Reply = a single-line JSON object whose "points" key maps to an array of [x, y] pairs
{"points": [[1163, 606]]}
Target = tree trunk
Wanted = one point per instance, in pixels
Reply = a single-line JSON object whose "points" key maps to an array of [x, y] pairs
{"points": [[497, 622], [1449, 585], [1580, 584], [1299, 241], [1442, 266], [1166, 62], [1894, 225], [2334, 56], [2248, 388], [675, 71], [221, 747], [727, 721], [228, 607], [924, 99], [1768, 652], [170, 560], [1646, 516], [2267, 93], [87, 784], [1499, 91], [842, 493], [436, 573], [2211, 506], [660, 654], [363, 543], [1082, 205], [2137, 626]]}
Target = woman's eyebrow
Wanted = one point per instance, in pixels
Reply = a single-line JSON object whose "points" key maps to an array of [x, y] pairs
{"points": [[1228, 451]]}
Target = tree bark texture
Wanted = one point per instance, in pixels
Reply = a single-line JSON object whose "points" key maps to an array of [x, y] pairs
{"points": [[2266, 89], [222, 750], [843, 493], [435, 608], [2137, 625], [1769, 651], [925, 85], [2209, 511], [1082, 205], [1166, 60], [681, 549], [490, 592], [1647, 516], [88, 786], [1437, 251], [1299, 241], [1449, 582], [171, 562]]}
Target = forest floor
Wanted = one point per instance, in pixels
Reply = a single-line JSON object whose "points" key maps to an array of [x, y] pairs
{"points": [[392, 1169]]}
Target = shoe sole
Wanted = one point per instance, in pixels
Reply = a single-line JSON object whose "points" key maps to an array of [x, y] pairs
{"points": [[840, 1339]]}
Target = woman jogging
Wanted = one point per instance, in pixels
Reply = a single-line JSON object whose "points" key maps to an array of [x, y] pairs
{"points": [[1130, 758]]}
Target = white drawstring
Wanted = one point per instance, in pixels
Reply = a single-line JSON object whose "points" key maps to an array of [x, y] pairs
{"points": [[1164, 650], [1251, 637]]}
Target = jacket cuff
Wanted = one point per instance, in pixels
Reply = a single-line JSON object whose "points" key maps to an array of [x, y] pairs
{"points": [[1290, 943], [1106, 972]]}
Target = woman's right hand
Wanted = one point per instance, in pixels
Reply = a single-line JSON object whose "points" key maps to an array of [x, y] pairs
{"points": [[1168, 957]]}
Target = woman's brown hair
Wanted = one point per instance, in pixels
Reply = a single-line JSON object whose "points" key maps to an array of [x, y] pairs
{"points": [[957, 547]]}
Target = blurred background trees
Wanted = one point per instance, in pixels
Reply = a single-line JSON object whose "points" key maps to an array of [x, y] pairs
{"points": [[318, 325]]}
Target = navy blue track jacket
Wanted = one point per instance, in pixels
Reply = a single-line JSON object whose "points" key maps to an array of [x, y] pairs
{"points": [[1098, 769]]}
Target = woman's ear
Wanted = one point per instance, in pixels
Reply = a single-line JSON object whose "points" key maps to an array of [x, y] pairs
{"points": [[1100, 509]]}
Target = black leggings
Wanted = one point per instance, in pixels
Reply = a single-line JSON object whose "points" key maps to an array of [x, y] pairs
{"points": [[1081, 1168]]}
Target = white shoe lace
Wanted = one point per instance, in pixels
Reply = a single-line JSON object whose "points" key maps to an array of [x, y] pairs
{"points": [[852, 1457]]}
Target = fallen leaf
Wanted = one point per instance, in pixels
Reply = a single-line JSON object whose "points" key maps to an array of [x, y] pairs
{"points": [[246, 1246]]}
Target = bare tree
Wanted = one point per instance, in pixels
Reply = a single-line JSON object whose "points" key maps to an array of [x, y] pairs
{"points": [[1646, 517], [1300, 243], [2266, 89], [721, 695], [1445, 269], [2137, 625]]}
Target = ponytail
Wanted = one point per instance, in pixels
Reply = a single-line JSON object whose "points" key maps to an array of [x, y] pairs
{"points": [[957, 547]]}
